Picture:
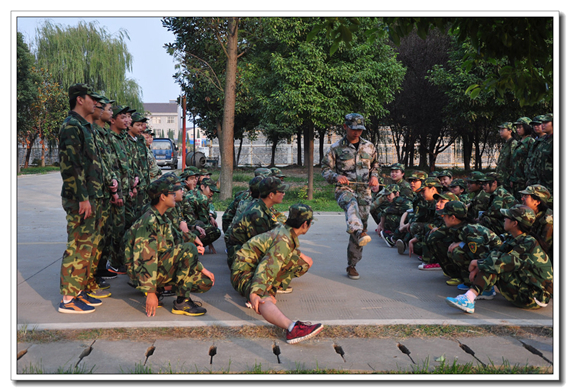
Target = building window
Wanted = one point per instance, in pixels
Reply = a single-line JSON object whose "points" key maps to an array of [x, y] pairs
{"points": [[170, 120], [156, 120]]}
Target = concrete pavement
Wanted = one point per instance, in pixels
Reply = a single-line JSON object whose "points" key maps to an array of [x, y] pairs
{"points": [[391, 291]]}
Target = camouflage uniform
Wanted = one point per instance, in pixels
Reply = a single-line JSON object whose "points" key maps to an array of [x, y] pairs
{"points": [[543, 227], [520, 156], [245, 195], [544, 163], [499, 199], [196, 209], [418, 202], [82, 175], [358, 166], [480, 200], [531, 162], [505, 166], [519, 268], [269, 261], [394, 211], [153, 168], [154, 260], [423, 216], [137, 155]]}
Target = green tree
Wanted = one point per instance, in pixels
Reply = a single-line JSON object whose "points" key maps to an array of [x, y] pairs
{"points": [[25, 91], [87, 53]]}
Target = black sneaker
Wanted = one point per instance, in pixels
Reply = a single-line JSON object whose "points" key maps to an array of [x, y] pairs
{"points": [[188, 307], [116, 270], [106, 274], [102, 283]]}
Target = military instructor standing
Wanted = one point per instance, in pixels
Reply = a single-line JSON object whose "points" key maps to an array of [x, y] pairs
{"points": [[351, 165]]}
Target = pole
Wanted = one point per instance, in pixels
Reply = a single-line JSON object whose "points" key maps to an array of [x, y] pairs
{"points": [[194, 125], [184, 132]]}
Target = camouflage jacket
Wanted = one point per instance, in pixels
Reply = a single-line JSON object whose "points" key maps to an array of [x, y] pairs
{"points": [[230, 211], [520, 156], [138, 160], [145, 241], [398, 206], [544, 163], [264, 255], [479, 240], [543, 230], [522, 257], [256, 219], [196, 206], [120, 162], [505, 163], [480, 202], [153, 168], [359, 165], [104, 148], [499, 199], [79, 161], [405, 188]]}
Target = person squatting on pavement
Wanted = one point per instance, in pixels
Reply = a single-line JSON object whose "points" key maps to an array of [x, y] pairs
{"points": [[268, 262], [154, 261], [351, 164], [519, 268]]}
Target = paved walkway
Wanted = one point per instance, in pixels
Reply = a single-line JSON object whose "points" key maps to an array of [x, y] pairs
{"points": [[391, 289]]}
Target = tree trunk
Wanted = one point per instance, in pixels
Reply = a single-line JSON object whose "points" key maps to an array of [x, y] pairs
{"points": [[236, 161], [467, 150], [42, 141], [299, 149], [309, 146], [273, 148], [227, 136], [322, 144]]}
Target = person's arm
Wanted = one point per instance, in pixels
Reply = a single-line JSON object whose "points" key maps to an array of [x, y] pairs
{"points": [[328, 170]]}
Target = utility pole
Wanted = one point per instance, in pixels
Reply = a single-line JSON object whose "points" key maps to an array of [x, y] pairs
{"points": [[184, 132]]}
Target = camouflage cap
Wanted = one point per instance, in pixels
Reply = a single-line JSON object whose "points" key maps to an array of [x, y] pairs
{"points": [[138, 117], [492, 176], [537, 120], [521, 213], [131, 111], [81, 89], [458, 182], [476, 176], [506, 125], [433, 174], [209, 182], [431, 182], [392, 188], [172, 177], [354, 121], [300, 213], [454, 208], [398, 166], [446, 195], [189, 171], [271, 184], [522, 120], [106, 100], [119, 110], [547, 118], [418, 175], [444, 173], [204, 171], [538, 191], [276, 172], [262, 172], [254, 183], [160, 186]]}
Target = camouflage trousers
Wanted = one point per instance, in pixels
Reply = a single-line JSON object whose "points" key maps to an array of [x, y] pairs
{"points": [[117, 231], [392, 222], [461, 258], [83, 238], [512, 287], [356, 206], [295, 267], [435, 251], [212, 233], [174, 269], [104, 249]]}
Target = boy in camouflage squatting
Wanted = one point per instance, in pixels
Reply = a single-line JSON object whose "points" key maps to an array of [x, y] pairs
{"points": [[351, 165], [154, 260], [519, 268], [269, 261]]}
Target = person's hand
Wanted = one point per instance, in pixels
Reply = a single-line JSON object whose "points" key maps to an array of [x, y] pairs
{"points": [[135, 191], [342, 180], [136, 181], [255, 301], [201, 249], [307, 259], [473, 269], [373, 182], [380, 228], [184, 226], [85, 208], [213, 221], [404, 227], [151, 304], [200, 230], [433, 230], [411, 246], [115, 199], [198, 242], [452, 247], [114, 186], [209, 274]]}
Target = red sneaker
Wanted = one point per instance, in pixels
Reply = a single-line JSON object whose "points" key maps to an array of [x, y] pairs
{"points": [[429, 266], [303, 331]]}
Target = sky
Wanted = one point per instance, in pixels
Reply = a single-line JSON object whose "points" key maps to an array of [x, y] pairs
{"points": [[152, 67]]}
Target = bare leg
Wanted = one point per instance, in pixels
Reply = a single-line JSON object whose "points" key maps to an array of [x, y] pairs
{"points": [[273, 315]]}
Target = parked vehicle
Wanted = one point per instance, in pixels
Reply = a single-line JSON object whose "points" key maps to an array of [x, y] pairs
{"points": [[165, 152]]}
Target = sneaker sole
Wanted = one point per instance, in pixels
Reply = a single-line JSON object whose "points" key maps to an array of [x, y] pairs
{"points": [[364, 241], [179, 312], [455, 305], [285, 292], [299, 339], [481, 297], [428, 269], [108, 277], [99, 296], [401, 247], [116, 272], [69, 311], [452, 283]]}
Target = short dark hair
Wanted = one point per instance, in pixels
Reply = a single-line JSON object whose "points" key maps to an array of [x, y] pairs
{"points": [[296, 223], [73, 101], [528, 129]]}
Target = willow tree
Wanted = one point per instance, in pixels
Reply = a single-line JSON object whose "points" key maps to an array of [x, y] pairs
{"points": [[88, 53]]}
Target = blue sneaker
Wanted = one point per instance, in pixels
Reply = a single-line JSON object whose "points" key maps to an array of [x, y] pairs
{"points": [[487, 295], [463, 287], [461, 302], [75, 306], [92, 301]]}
